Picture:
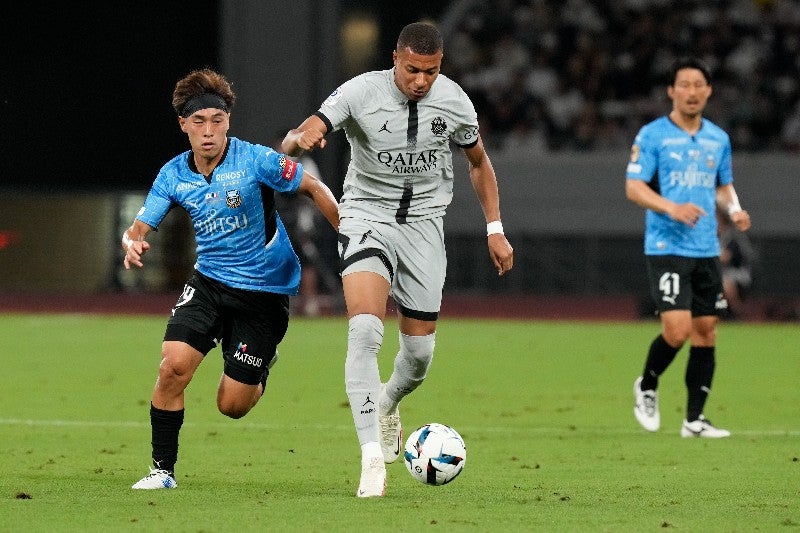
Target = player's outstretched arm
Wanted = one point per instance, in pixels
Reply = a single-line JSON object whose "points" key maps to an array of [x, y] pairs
{"points": [[307, 136], [315, 188], [484, 181], [134, 245]]}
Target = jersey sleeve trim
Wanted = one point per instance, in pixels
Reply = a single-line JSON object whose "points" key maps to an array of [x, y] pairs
{"points": [[467, 146], [324, 119]]}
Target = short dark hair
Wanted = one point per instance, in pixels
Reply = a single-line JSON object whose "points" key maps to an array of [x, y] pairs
{"points": [[422, 37], [199, 82], [689, 62]]}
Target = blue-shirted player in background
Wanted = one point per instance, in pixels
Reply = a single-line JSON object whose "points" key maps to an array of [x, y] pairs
{"points": [[680, 172], [246, 269]]}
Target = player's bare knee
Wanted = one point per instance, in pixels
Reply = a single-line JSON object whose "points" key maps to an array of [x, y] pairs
{"points": [[704, 337], [676, 339], [676, 334], [234, 408], [234, 413], [174, 371], [237, 396]]}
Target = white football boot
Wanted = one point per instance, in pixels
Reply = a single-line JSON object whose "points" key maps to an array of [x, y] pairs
{"points": [[645, 407], [373, 479], [703, 428], [391, 434], [156, 479]]}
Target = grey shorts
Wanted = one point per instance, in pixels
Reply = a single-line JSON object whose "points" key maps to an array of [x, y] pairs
{"points": [[410, 256]]}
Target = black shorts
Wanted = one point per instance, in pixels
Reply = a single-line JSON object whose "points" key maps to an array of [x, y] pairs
{"points": [[678, 282], [248, 325]]}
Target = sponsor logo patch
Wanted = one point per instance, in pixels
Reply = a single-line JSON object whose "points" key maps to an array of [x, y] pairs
{"points": [[242, 355], [288, 168]]}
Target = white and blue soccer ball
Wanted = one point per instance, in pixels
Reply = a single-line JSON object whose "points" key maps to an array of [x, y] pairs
{"points": [[435, 454]]}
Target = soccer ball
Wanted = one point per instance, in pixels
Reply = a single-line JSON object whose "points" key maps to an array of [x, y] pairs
{"points": [[435, 454]]}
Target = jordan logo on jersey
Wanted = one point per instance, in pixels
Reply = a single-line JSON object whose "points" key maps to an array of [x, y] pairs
{"points": [[384, 128], [233, 199]]}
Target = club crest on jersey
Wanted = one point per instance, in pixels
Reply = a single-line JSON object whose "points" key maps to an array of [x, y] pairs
{"points": [[233, 199], [288, 167], [438, 126]]}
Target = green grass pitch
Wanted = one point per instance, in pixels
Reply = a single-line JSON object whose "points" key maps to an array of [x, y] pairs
{"points": [[544, 407]]}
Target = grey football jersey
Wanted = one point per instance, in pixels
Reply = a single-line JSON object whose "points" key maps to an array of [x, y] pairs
{"points": [[401, 164]]}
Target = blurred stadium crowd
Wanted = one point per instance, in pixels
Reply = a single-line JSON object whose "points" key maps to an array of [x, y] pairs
{"points": [[550, 75]]}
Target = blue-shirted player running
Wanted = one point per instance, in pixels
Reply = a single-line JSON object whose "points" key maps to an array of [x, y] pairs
{"points": [[680, 172], [246, 269]]}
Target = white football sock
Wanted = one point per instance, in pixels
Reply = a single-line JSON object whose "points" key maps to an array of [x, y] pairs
{"points": [[370, 450], [362, 376], [410, 368]]}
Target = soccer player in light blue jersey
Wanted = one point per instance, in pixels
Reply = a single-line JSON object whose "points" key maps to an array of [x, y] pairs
{"points": [[400, 124], [680, 172], [238, 296]]}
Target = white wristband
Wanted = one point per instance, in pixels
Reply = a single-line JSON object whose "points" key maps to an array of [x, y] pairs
{"points": [[494, 227], [734, 206], [126, 241]]}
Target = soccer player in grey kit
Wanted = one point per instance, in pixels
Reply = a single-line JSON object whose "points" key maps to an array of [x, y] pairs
{"points": [[399, 123]]}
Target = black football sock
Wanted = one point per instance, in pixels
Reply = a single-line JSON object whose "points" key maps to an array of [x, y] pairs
{"points": [[263, 381], [699, 373], [659, 358], [166, 425], [264, 376]]}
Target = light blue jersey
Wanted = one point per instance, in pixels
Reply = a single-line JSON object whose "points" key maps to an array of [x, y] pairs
{"points": [[241, 240], [682, 168]]}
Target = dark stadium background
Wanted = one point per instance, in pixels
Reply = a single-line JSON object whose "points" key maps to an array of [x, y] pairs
{"points": [[86, 86], [86, 122]]}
